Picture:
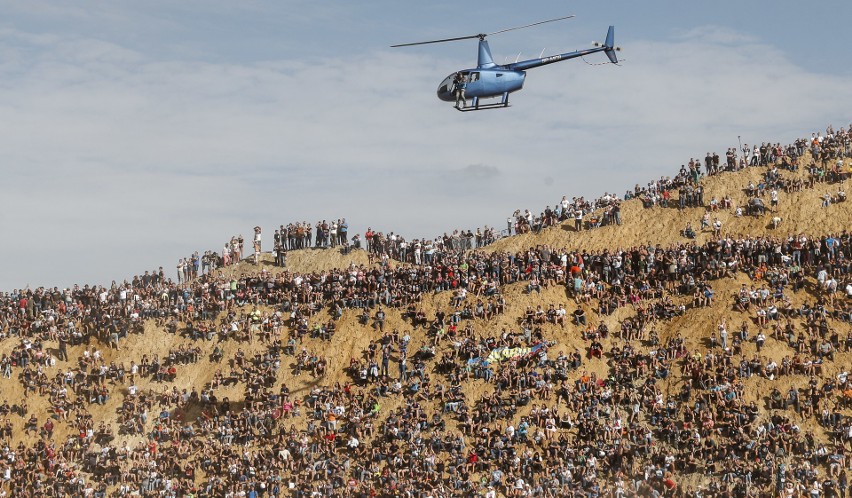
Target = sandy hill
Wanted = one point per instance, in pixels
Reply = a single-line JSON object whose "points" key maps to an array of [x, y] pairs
{"points": [[801, 212]]}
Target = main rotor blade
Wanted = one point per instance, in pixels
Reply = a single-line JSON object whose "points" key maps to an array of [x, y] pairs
{"points": [[530, 25], [481, 35], [438, 41]]}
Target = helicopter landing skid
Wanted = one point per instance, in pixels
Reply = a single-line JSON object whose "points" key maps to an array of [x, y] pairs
{"points": [[482, 107]]}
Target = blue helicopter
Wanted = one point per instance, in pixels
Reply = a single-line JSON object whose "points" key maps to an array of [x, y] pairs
{"points": [[490, 80]]}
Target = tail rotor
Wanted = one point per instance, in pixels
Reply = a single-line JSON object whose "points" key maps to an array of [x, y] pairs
{"points": [[609, 45]]}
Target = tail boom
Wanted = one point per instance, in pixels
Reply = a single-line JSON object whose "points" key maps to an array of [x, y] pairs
{"points": [[608, 48]]}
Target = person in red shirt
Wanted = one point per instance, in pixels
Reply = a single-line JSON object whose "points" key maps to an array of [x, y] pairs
{"points": [[48, 428], [472, 459], [669, 483]]}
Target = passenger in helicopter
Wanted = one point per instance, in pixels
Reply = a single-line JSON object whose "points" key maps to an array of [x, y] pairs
{"points": [[459, 84]]}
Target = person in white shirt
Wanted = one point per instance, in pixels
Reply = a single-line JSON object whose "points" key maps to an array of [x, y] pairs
{"points": [[256, 243], [822, 276]]}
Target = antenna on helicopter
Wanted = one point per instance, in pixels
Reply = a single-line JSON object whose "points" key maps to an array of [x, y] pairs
{"points": [[482, 36]]}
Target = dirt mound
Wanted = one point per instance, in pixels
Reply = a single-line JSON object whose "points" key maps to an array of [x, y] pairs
{"points": [[800, 212]]}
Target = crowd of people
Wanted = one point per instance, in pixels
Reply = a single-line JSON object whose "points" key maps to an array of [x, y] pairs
{"points": [[445, 405], [299, 235]]}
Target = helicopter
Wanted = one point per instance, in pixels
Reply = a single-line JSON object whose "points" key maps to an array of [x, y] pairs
{"points": [[490, 80]]}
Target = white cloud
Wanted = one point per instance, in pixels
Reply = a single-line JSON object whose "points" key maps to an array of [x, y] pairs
{"points": [[480, 171], [117, 161]]}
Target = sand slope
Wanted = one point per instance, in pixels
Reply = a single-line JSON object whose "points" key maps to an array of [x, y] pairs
{"points": [[801, 213]]}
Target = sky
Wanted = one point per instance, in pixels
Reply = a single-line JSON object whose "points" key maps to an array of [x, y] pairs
{"points": [[134, 133]]}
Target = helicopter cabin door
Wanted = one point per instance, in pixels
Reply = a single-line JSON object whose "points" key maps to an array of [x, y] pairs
{"points": [[447, 88], [474, 85]]}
